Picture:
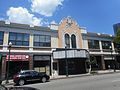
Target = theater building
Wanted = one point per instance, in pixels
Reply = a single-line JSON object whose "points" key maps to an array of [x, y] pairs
{"points": [[46, 49], [70, 49]]}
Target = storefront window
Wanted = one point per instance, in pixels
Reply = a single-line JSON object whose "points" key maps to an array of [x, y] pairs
{"points": [[93, 44], [106, 44], [1, 38], [42, 40], [20, 39]]}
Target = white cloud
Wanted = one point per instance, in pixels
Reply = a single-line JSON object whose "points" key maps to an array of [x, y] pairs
{"points": [[21, 15], [45, 7], [53, 22], [2, 19]]}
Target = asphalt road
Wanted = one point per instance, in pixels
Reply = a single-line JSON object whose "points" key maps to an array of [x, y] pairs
{"points": [[96, 82]]}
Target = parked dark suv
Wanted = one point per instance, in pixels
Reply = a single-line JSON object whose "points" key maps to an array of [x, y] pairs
{"points": [[25, 76]]}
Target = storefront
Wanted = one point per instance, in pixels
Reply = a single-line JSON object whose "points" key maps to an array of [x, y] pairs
{"points": [[75, 66], [42, 63], [17, 63], [112, 62], [96, 62], [76, 61]]}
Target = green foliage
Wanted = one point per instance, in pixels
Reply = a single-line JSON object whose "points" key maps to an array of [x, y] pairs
{"points": [[117, 40], [93, 60], [118, 32]]}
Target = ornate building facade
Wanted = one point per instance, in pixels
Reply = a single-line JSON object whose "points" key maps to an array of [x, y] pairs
{"points": [[60, 49]]}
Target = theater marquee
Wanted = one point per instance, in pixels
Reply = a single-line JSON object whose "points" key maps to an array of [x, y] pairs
{"points": [[73, 53]]}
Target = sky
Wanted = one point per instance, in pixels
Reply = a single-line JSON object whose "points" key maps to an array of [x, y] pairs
{"points": [[95, 15]]}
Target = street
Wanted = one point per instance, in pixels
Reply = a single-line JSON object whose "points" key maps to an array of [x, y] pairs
{"points": [[95, 82]]}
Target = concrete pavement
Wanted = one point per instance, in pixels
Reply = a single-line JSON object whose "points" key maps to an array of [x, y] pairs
{"points": [[55, 77], [93, 82]]}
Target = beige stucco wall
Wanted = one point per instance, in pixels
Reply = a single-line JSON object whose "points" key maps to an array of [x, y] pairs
{"points": [[6, 36], [54, 42], [73, 29]]}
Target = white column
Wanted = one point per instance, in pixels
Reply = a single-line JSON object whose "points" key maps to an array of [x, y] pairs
{"points": [[31, 42], [5, 40], [100, 45], [113, 48]]}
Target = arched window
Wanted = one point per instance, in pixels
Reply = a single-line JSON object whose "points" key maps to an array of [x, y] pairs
{"points": [[73, 41], [67, 40]]}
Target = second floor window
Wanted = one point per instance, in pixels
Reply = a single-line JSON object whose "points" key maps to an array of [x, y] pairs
{"points": [[19, 39], [93, 44], [67, 40], [1, 37], [42, 40], [73, 41], [106, 44]]}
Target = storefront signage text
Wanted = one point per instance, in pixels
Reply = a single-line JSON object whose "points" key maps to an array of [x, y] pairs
{"points": [[18, 57]]}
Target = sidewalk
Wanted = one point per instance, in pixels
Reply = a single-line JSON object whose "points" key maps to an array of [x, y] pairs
{"points": [[55, 77], [87, 74]]}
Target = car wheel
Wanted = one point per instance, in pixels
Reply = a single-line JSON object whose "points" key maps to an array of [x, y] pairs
{"points": [[44, 79], [21, 82]]}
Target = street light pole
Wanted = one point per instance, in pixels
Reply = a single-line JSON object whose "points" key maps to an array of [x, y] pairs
{"points": [[66, 61], [7, 72]]}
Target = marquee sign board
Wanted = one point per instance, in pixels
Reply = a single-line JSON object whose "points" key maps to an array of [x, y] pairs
{"points": [[70, 54]]}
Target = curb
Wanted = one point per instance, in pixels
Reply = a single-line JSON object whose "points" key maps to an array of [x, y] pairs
{"points": [[70, 77]]}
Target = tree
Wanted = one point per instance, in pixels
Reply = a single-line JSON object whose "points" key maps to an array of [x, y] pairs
{"points": [[93, 62], [117, 41]]}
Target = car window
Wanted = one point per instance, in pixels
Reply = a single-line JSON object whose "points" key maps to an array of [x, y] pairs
{"points": [[21, 73], [28, 73], [35, 73]]}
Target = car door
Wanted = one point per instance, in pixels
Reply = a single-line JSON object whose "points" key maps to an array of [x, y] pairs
{"points": [[35, 76], [28, 76]]}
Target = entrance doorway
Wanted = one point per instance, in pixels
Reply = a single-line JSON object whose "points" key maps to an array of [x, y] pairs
{"points": [[55, 69], [109, 64], [76, 66], [42, 66]]}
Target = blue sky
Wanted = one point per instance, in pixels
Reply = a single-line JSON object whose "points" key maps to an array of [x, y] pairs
{"points": [[96, 15]]}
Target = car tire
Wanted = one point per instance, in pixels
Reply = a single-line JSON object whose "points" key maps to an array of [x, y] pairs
{"points": [[21, 82], [43, 79]]}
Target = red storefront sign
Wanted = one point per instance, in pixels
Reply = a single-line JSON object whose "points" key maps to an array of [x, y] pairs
{"points": [[18, 57]]}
